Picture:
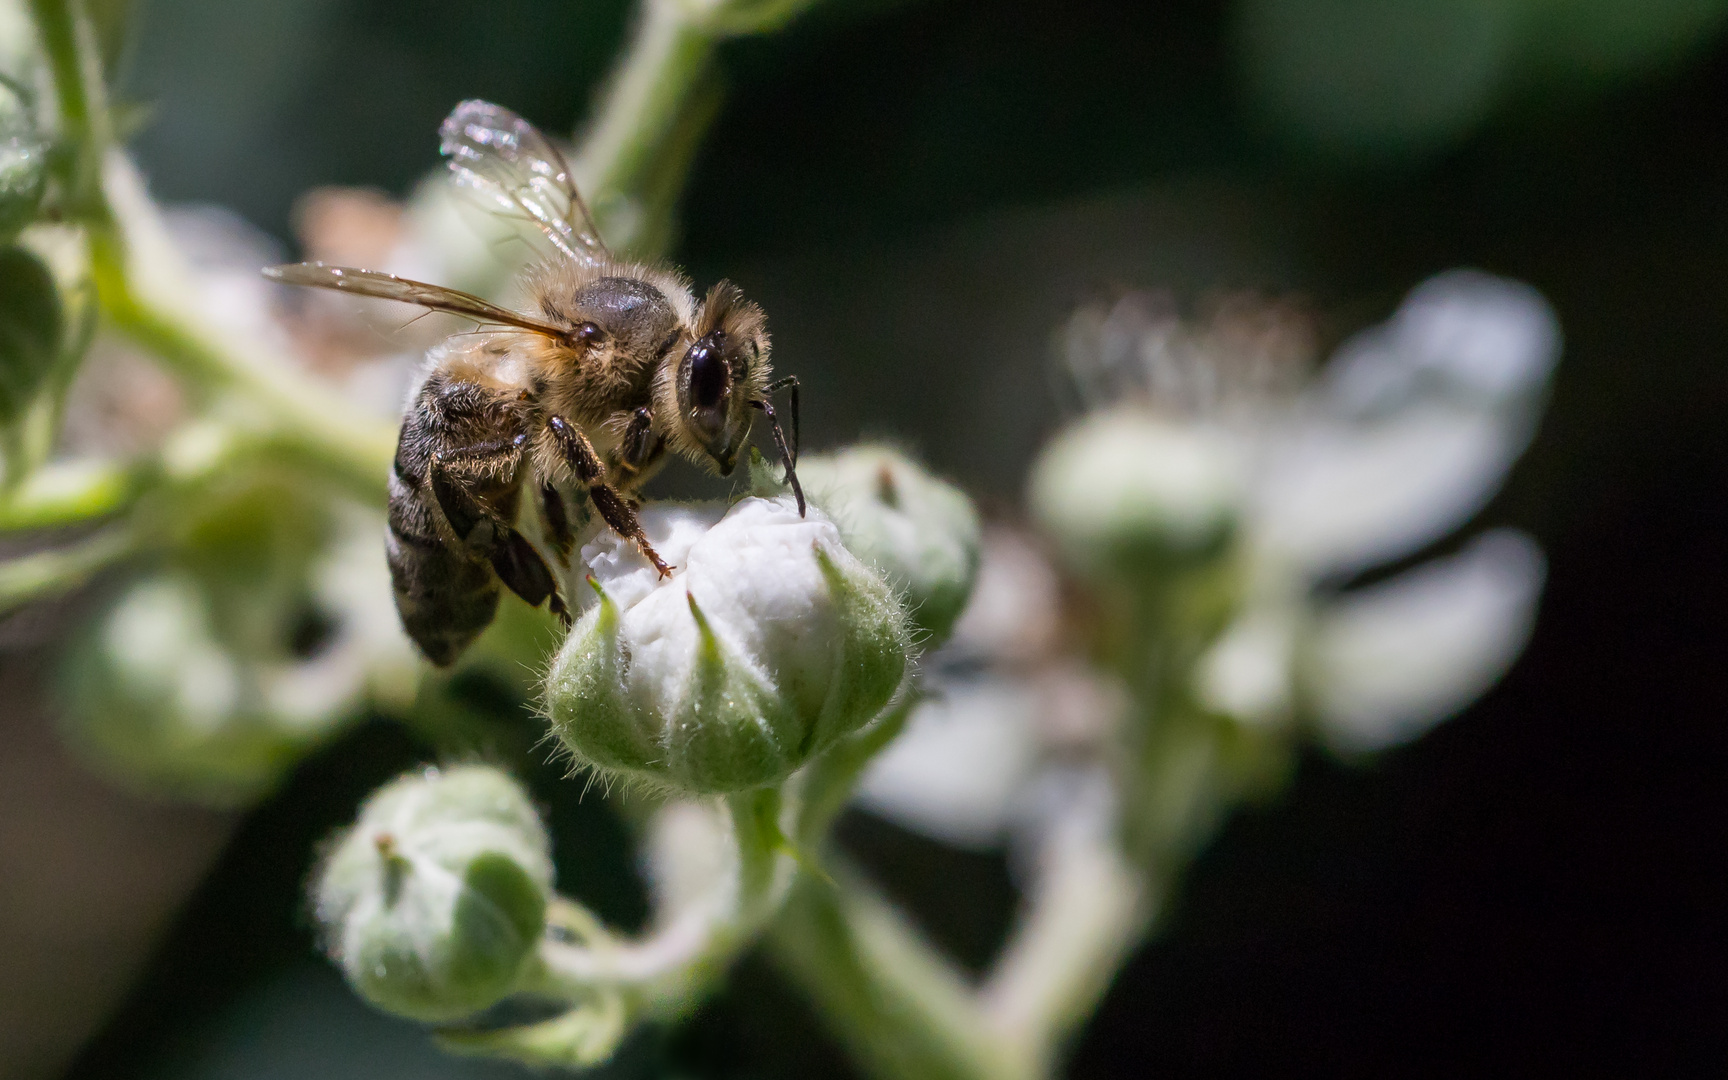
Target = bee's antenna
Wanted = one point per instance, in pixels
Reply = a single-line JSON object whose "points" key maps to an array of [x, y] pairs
{"points": [[785, 452]]}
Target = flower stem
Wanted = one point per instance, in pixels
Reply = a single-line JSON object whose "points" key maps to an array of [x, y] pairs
{"points": [[894, 1002], [307, 422], [31, 576], [1088, 911], [668, 61], [75, 62]]}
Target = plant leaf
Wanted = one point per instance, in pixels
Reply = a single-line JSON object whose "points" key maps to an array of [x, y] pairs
{"points": [[31, 327]]}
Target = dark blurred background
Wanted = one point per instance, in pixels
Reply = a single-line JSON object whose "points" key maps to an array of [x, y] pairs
{"points": [[918, 191]]}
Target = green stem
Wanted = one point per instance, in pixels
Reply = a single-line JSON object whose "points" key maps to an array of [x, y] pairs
{"points": [[828, 781], [67, 493], [1088, 910], [756, 825], [75, 63], [306, 421], [669, 58], [41, 573], [900, 1009], [611, 981]]}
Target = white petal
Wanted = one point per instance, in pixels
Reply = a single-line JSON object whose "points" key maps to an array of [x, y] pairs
{"points": [[955, 771], [1390, 661], [1337, 499], [1458, 333], [1412, 428]]}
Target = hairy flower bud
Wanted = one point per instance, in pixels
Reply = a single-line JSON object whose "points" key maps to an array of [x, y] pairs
{"points": [[1128, 489], [434, 901], [920, 532], [767, 643]]}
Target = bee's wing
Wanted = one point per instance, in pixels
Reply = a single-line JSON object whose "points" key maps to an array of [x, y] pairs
{"points": [[520, 173], [390, 287]]}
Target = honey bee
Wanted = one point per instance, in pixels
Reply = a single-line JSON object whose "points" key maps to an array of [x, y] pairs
{"points": [[575, 399]]}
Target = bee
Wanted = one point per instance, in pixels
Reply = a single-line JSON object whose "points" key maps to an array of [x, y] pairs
{"points": [[573, 401]]}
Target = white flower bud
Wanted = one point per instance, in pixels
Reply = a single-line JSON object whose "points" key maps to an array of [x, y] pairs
{"points": [[433, 903], [920, 532], [1127, 489], [767, 643]]}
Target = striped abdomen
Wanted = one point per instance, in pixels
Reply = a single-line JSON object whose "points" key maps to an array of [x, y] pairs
{"points": [[446, 592]]}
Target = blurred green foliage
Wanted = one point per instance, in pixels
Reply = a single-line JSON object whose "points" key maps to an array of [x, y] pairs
{"points": [[1379, 81]]}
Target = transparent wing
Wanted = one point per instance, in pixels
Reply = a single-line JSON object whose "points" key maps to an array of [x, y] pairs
{"points": [[390, 287], [520, 174]]}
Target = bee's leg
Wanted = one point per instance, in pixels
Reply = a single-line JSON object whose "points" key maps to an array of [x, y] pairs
{"points": [[557, 520], [790, 382], [786, 456], [639, 446], [579, 454], [513, 558], [526, 574]]}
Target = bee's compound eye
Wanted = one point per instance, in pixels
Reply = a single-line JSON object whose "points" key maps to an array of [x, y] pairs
{"points": [[708, 374]]}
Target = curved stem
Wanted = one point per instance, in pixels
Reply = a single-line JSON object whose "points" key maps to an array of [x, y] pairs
{"points": [[1088, 911], [307, 421], [41, 573], [75, 62], [700, 930], [899, 1007], [669, 57]]}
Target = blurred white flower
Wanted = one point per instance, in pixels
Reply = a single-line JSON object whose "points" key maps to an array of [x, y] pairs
{"points": [[1405, 434], [1208, 429], [955, 772], [1409, 430]]}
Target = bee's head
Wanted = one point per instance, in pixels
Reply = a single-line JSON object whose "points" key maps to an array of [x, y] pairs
{"points": [[720, 383], [720, 372]]}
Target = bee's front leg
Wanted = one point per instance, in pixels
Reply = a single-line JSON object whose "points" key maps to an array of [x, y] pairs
{"points": [[454, 475], [578, 453], [639, 447]]}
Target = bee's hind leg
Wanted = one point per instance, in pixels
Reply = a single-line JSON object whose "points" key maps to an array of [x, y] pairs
{"points": [[579, 454], [513, 558]]}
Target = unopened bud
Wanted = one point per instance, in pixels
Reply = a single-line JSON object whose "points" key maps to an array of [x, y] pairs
{"points": [[768, 642], [920, 532], [1129, 490], [434, 901], [154, 696]]}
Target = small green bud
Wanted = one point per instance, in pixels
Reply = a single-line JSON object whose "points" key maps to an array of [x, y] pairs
{"points": [[158, 700], [433, 903], [767, 643], [1127, 490], [185, 688], [920, 532]]}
